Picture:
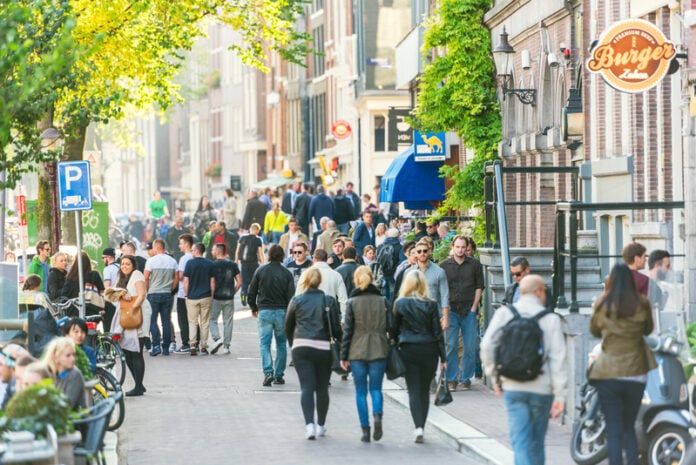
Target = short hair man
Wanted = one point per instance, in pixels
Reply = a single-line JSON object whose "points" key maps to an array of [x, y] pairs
{"points": [[347, 268], [300, 261], [465, 281], [530, 403], [519, 268], [354, 200], [270, 292], [293, 235], [110, 274], [438, 288], [364, 233], [172, 236], [161, 279], [331, 282], [228, 280], [659, 266], [199, 287], [634, 257], [335, 258], [300, 210], [41, 263], [330, 232], [185, 246]]}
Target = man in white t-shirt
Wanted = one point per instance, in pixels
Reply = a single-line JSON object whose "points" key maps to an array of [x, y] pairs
{"points": [[161, 279], [110, 274], [185, 245]]}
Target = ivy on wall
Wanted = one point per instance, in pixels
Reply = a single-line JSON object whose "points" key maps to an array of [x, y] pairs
{"points": [[457, 92]]}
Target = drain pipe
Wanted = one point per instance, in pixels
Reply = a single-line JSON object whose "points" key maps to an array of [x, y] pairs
{"points": [[502, 222]]}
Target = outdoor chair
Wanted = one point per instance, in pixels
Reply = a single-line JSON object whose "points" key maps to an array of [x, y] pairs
{"points": [[96, 424]]}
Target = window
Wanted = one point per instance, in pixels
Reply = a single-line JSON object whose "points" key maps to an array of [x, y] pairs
{"points": [[380, 133], [318, 55]]}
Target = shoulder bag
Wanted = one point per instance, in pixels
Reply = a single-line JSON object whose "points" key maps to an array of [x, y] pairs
{"points": [[443, 396], [395, 366], [93, 297], [335, 349], [131, 316]]}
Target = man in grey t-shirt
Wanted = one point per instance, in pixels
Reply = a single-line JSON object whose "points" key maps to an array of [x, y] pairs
{"points": [[161, 279]]}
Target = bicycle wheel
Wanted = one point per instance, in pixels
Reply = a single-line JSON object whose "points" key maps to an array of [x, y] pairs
{"points": [[111, 388], [110, 357]]}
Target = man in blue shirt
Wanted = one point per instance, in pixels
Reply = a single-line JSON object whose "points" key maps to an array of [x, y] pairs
{"points": [[199, 286]]}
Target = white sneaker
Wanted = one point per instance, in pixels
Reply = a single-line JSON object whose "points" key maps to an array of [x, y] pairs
{"points": [[172, 347], [418, 436], [309, 431], [216, 346], [225, 351], [321, 431]]}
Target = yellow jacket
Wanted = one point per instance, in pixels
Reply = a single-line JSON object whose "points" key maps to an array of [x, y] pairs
{"points": [[275, 222]]}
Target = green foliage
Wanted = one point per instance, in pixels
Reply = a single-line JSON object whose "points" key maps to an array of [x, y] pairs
{"points": [[457, 92], [82, 363], [35, 407]]}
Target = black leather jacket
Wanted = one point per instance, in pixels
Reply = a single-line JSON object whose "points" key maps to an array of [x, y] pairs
{"points": [[271, 288], [307, 318], [417, 321]]}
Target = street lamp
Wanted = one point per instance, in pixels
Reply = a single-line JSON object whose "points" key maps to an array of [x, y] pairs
{"points": [[573, 119], [502, 55], [50, 137]]}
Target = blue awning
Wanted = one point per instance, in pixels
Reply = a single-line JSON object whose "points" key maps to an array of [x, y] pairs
{"points": [[407, 180]]}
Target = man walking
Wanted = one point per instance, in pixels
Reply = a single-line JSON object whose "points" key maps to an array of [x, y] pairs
{"points": [[185, 246], [301, 208], [110, 275], [300, 261], [331, 281], [389, 255], [364, 234], [354, 200], [344, 212], [291, 237], [321, 205], [172, 237], [223, 236], [199, 286], [270, 292], [530, 403], [634, 257], [228, 280], [659, 265], [255, 211], [438, 287], [465, 281], [519, 268], [161, 279], [41, 263], [347, 269]]}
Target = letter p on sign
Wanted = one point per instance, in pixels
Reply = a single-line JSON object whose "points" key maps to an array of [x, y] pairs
{"points": [[74, 186]]}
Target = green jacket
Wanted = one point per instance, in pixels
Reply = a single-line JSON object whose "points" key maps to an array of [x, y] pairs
{"points": [[624, 352], [365, 330], [36, 267]]}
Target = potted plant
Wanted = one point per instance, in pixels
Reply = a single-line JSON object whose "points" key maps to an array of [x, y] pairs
{"points": [[34, 408]]}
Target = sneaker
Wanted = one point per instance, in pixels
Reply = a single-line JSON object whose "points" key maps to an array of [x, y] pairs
{"points": [[310, 433], [268, 380], [216, 346], [183, 350], [193, 351], [321, 431], [243, 299], [225, 351], [148, 344], [165, 351], [452, 385], [418, 436], [172, 347], [204, 352], [279, 380], [465, 385], [156, 350]]}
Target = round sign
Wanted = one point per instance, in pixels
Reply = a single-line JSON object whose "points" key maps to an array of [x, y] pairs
{"points": [[340, 129], [632, 56]]}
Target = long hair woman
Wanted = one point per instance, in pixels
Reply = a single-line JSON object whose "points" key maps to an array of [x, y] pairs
{"points": [[417, 327], [60, 362], [307, 327], [133, 340], [364, 348], [622, 316], [205, 213], [92, 280]]}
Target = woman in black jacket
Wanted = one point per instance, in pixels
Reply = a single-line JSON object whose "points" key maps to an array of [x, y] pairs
{"points": [[417, 326], [92, 281], [56, 275], [307, 327]]}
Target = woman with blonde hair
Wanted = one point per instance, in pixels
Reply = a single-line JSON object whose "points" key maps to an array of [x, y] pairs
{"points": [[307, 328], [60, 363], [274, 223], [417, 327], [380, 234], [57, 275], [365, 346]]}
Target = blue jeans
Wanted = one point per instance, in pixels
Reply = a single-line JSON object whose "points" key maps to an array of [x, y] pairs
{"points": [[343, 227], [388, 290], [272, 322], [361, 370], [528, 420], [161, 304], [467, 326], [620, 401], [275, 236]]}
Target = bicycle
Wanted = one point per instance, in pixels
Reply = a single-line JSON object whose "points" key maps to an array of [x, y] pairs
{"points": [[109, 354], [107, 387]]}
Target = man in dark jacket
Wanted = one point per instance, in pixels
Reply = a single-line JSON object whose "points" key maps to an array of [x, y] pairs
{"points": [[347, 268], [222, 236], [519, 268], [172, 237], [301, 209], [255, 211], [270, 292], [321, 205], [364, 233], [389, 254], [344, 212], [354, 200]]}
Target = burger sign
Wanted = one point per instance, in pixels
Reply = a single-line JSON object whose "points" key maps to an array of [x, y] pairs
{"points": [[632, 56]]}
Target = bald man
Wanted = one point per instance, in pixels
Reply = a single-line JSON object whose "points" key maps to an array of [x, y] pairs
{"points": [[530, 403]]}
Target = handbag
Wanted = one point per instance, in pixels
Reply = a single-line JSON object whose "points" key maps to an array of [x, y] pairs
{"points": [[335, 349], [131, 316], [93, 297], [395, 366], [443, 396]]}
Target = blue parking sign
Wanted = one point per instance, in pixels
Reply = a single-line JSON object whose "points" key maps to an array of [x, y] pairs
{"points": [[74, 186]]}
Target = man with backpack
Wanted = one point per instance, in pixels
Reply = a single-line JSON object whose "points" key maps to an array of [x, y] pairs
{"points": [[465, 282], [524, 348], [389, 255]]}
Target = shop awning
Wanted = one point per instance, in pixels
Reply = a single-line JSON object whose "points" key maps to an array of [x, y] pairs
{"points": [[275, 181], [407, 180]]}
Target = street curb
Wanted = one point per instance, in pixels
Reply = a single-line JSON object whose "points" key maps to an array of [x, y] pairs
{"points": [[111, 448], [465, 439]]}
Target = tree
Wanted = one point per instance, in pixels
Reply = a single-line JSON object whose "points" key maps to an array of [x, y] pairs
{"points": [[457, 91]]}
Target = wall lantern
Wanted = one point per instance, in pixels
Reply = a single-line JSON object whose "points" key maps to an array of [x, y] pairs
{"points": [[502, 54], [573, 118]]}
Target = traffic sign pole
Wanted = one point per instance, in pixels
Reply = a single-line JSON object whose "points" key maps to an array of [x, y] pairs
{"points": [[78, 228]]}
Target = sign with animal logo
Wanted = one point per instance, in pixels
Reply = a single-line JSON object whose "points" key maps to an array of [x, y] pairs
{"points": [[632, 56], [429, 146]]}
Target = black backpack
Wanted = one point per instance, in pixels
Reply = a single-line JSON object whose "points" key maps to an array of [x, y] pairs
{"points": [[249, 252], [520, 352], [387, 259]]}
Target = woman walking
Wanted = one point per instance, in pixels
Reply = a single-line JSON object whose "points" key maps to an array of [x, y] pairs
{"points": [[417, 327], [307, 327], [133, 340], [622, 316], [205, 213], [364, 348]]}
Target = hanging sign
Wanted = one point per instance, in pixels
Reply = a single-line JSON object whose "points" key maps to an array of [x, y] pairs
{"points": [[340, 129], [632, 56]]}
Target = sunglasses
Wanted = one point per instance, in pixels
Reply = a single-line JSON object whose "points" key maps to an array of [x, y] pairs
{"points": [[297, 252], [422, 251], [518, 274]]}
